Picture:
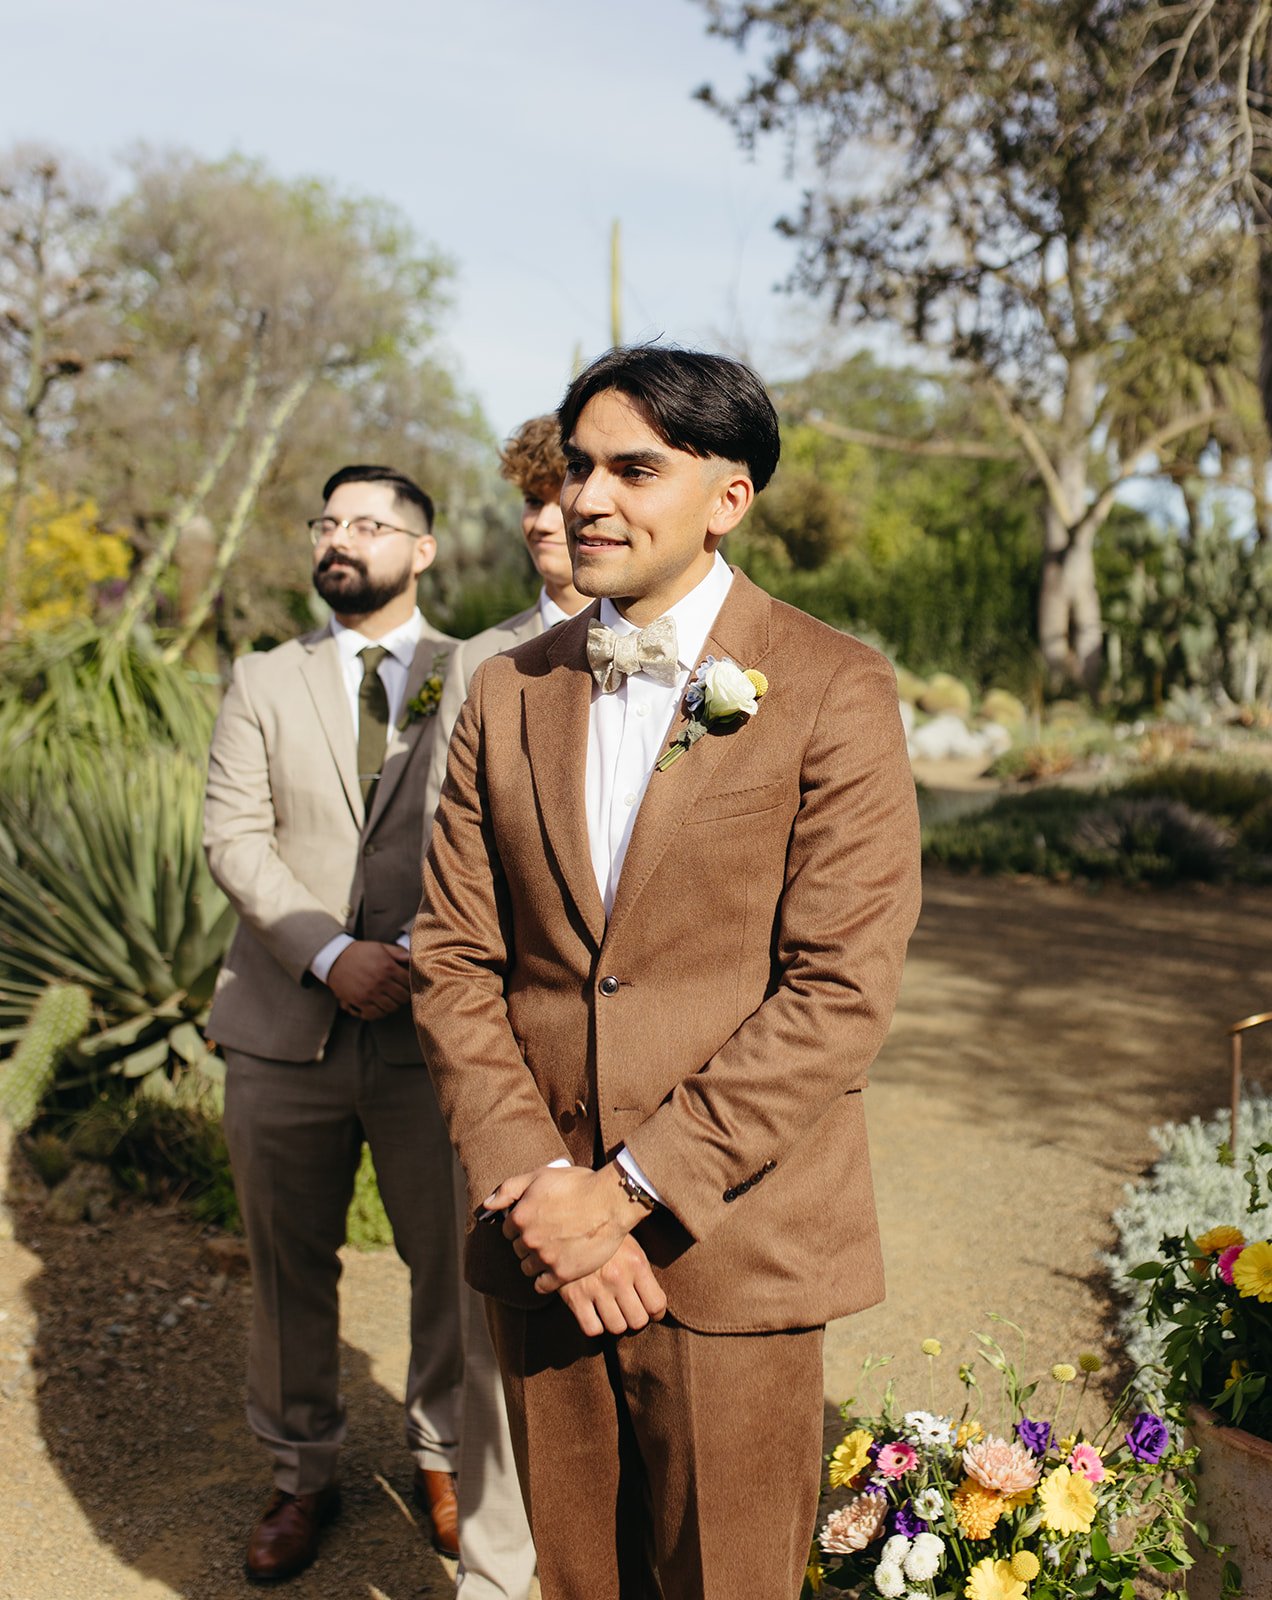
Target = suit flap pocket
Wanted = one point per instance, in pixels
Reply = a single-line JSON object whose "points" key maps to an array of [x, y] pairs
{"points": [[740, 802]]}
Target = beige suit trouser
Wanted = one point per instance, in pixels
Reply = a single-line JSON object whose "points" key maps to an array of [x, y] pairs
{"points": [[496, 1552], [295, 1134], [665, 1464]]}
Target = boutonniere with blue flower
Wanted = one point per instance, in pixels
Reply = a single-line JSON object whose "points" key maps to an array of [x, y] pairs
{"points": [[428, 697], [720, 696]]}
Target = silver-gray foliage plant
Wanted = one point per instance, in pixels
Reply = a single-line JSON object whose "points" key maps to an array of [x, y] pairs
{"points": [[1188, 1190]]}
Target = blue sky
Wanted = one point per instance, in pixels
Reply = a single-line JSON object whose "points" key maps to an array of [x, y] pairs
{"points": [[510, 132]]}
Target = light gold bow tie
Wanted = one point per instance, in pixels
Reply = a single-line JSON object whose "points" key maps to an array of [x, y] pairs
{"points": [[612, 656]]}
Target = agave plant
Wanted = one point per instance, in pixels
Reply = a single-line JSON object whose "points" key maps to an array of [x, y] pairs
{"points": [[103, 885]]}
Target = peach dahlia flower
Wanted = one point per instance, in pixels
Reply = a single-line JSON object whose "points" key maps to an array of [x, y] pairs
{"points": [[1005, 1468]]}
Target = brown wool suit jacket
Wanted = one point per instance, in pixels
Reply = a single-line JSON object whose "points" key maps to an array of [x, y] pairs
{"points": [[722, 1023], [288, 839]]}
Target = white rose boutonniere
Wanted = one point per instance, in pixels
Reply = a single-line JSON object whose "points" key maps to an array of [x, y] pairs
{"points": [[720, 696]]}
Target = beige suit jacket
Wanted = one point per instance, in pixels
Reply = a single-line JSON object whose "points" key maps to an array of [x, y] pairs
{"points": [[465, 658], [722, 1022], [288, 841]]}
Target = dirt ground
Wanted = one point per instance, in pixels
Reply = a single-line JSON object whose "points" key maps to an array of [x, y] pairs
{"points": [[1041, 1031]]}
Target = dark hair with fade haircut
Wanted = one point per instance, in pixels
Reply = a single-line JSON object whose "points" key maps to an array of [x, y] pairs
{"points": [[405, 490], [703, 404]]}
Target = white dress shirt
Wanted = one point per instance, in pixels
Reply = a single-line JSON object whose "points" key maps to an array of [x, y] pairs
{"points": [[628, 728], [393, 671], [626, 733], [549, 612]]}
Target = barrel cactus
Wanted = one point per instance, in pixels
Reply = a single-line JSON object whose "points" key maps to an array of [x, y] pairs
{"points": [[946, 694], [59, 1020]]}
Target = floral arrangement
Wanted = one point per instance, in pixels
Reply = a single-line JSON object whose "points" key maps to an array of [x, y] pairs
{"points": [[720, 695], [1027, 1506], [1214, 1294], [1193, 1186]]}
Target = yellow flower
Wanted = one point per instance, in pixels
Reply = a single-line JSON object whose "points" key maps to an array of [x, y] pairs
{"points": [[1089, 1362], [1062, 1372], [968, 1433], [758, 682], [1025, 1566], [931, 1347], [1225, 1317], [1236, 1372], [1252, 1271], [814, 1575], [1013, 1502], [850, 1458], [1067, 1444], [993, 1580], [1221, 1238], [977, 1510], [1068, 1502]]}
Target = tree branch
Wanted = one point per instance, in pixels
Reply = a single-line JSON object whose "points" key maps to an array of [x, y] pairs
{"points": [[963, 449], [1036, 451], [1103, 502]]}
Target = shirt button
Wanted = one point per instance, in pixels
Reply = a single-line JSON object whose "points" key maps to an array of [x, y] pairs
{"points": [[629, 799], [609, 986], [642, 711]]}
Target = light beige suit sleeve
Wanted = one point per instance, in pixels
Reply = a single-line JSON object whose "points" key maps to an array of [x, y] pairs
{"points": [[239, 839], [454, 692]]}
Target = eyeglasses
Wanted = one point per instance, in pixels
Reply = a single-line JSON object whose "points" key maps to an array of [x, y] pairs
{"points": [[321, 529]]}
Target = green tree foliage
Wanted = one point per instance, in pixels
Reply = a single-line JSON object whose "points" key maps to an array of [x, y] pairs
{"points": [[987, 181], [935, 556]]}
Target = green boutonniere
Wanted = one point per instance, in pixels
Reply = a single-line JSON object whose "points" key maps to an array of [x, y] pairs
{"points": [[721, 696], [429, 697]]}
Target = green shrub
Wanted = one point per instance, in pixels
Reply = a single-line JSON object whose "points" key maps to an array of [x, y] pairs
{"points": [[1150, 841], [1229, 791]]}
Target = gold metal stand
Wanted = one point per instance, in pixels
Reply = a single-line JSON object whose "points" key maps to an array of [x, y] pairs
{"points": [[1234, 1033]]}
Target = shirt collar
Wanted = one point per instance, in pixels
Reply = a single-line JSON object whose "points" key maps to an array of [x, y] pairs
{"points": [[549, 612], [400, 643], [693, 615]]}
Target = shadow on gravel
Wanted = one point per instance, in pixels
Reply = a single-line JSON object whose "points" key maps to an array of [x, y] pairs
{"points": [[138, 1375]]}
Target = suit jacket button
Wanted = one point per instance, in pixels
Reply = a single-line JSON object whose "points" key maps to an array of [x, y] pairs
{"points": [[609, 986], [368, 850]]}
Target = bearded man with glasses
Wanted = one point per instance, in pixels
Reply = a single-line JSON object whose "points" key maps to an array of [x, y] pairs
{"points": [[314, 829]]}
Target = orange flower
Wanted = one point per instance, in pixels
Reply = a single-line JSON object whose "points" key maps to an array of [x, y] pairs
{"points": [[977, 1509]]}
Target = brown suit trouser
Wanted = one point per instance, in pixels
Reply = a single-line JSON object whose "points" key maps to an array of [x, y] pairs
{"points": [[295, 1134], [666, 1464]]}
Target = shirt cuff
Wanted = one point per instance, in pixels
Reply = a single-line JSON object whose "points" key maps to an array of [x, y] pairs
{"points": [[560, 1162], [404, 939], [631, 1167], [323, 962]]}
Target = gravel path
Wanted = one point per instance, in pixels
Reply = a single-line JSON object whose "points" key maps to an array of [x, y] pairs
{"points": [[1041, 1032]]}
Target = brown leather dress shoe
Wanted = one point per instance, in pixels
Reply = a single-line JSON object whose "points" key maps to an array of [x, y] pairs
{"points": [[434, 1492], [285, 1540]]}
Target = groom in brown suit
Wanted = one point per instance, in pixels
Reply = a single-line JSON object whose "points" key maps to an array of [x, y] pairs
{"points": [[314, 828], [672, 877]]}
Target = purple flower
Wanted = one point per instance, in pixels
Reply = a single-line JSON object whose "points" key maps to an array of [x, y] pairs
{"points": [[1035, 1436], [1148, 1438], [905, 1521]]}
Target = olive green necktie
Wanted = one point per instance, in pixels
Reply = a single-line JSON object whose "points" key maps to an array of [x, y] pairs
{"points": [[373, 721]]}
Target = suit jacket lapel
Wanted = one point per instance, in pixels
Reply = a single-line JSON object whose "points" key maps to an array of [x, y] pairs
{"points": [[325, 682], [740, 631], [407, 731], [556, 707]]}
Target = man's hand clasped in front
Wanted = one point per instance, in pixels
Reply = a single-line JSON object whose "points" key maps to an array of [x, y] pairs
{"points": [[371, 979], [571, 1230]]}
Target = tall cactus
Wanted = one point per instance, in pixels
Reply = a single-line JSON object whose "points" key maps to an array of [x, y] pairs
{"points": [[59, 1019]]}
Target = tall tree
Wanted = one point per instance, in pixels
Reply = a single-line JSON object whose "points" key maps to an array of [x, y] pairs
{"points": [[54, 330], [987, 180]]}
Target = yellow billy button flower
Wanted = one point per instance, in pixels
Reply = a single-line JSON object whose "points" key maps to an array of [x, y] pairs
{"points": [[1252, 1271], [931, 1347], [758, 682], [1089, 1363], [1025, 1566], [1062, 1372]]}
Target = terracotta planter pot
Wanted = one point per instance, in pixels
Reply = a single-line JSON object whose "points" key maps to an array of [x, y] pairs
{"points": [[1234, 1500]]}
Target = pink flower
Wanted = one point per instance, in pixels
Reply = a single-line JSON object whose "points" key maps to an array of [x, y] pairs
{"points": [[1226, 1260], [1003, 1468], [1086, 1462], [854, 1525], [895, 1460]]}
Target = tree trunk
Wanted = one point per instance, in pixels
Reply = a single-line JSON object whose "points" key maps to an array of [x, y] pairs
{"points": [[1070, 628]]}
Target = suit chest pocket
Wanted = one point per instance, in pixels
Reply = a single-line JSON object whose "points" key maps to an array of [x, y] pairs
{"points": [[752, 801]]}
